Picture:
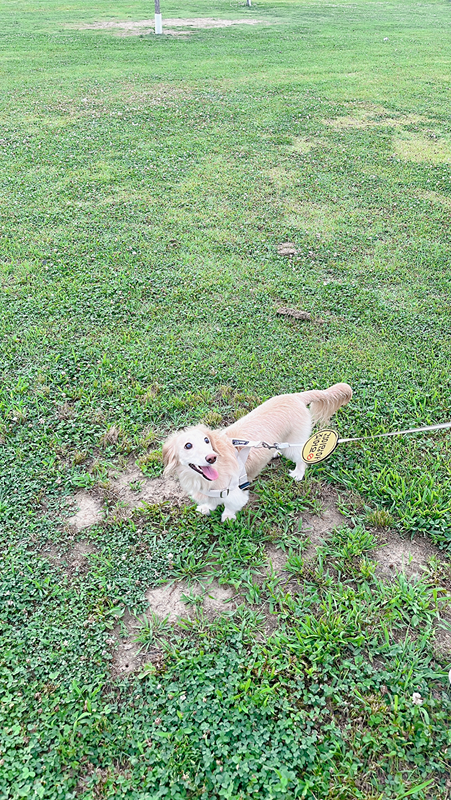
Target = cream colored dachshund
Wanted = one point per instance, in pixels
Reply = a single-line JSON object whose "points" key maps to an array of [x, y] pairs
{"points": [[208, 464]]}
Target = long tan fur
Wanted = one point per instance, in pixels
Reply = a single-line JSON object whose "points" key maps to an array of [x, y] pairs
{"points": [[324, 403], [284, 418]]}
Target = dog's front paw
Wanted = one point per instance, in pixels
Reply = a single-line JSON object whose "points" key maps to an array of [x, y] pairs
{"points": [[227, 515], [203, 509], [297, 473]]}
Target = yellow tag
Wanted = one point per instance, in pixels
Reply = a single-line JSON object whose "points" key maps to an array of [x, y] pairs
{"points": [[319, 446]]}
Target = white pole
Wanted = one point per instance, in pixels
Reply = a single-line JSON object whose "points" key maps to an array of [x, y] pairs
{"points": [[249, 3], [158, 21]]}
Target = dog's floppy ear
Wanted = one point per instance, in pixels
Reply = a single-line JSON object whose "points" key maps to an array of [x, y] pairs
{"points": [[170, 454], [221, 445]]}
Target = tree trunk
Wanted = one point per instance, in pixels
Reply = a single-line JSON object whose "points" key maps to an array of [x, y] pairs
{"points": [[158, 22]]}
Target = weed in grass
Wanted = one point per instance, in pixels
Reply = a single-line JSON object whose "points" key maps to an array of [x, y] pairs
{"points": [[151, 631], [190, 567], [380, 518], [147, 437], [440, 571], [212, 419], [78, 457], [345, 547], [151, 463], [295, 564], [195, 599], [111, 436]]}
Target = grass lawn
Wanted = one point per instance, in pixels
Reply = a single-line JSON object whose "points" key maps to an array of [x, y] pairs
{"points": [[146, 184]]}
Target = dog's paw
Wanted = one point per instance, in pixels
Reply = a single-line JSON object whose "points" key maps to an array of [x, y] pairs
{"points": [[227, 515], [298, 473], [203, 509]]}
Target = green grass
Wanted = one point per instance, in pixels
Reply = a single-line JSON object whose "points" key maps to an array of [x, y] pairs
{"points": [[145, 185]]}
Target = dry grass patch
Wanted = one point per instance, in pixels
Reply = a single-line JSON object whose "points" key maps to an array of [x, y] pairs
{"points": [[311, 217], [376, 117], [147, 26], [419, 148], [434, 197], [281, 178], [302, 144]]}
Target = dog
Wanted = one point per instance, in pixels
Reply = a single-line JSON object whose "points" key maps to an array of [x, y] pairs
{"points": [[203, 459]]}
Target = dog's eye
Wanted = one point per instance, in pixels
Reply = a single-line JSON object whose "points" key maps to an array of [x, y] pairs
{"points": [[188, 446], [207, 441]]}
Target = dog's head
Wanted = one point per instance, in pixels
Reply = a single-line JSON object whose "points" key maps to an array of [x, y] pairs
{"points": [[192, 448]]}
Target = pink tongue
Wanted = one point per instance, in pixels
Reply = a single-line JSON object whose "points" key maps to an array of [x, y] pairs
{"points": [[210, 473]]}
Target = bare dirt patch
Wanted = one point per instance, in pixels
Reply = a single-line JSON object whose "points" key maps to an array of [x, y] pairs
{"points": [[397, 555], [276, 558], [146, 26], [296, 313], [287, 249], [74, 560], [319, 526], [89, 511], [132, 491], [135, 490], [126, 651], [166, 603], [442, 643]]}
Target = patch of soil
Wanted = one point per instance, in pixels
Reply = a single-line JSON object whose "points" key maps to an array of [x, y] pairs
{"points": [[167, 604], [75, 560], [89, 511], [126, 655], [276, 557], [287, 249], [146, 26], [132, 491], [442, 640], [294, 312], [400, 555], [319, 526]]}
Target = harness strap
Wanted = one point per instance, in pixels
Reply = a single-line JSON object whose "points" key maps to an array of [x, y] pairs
{"points": [[243, 481]]}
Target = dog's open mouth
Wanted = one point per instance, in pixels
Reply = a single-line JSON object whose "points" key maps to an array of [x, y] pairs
{"points": [[208, 472]]}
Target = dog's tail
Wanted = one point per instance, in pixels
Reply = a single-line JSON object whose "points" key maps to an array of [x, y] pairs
{"points": [[324, 403]]}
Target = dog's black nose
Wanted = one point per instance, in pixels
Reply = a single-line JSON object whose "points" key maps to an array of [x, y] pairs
{"points": [[211, 459]]}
